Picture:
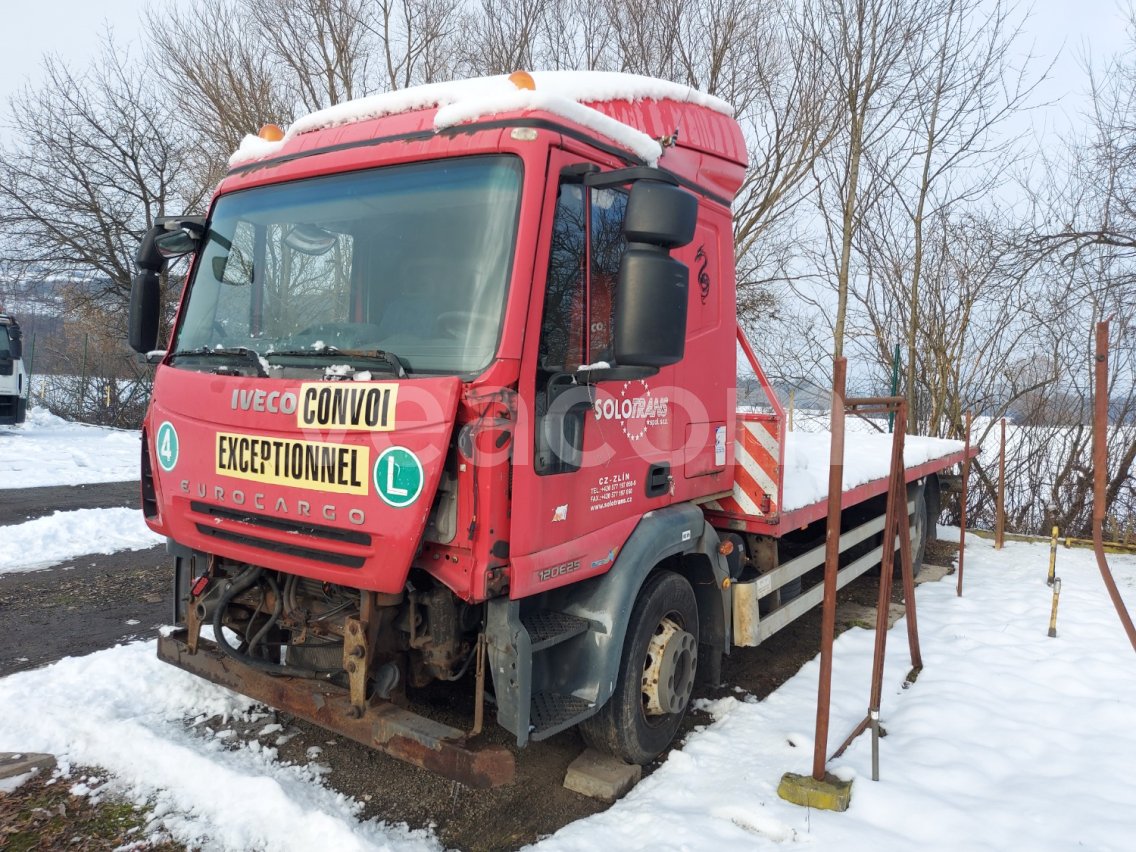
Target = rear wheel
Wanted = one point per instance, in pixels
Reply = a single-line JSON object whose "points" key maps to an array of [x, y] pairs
{"points": [[919, 527], [656, 674], [919, 537]]}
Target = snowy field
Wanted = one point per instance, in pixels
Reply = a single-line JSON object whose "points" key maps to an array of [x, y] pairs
{"points": [[47, 450], [1009, 739]]}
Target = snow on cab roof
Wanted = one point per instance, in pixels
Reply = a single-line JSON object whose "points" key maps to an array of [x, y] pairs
{"points": [[563, 93]]}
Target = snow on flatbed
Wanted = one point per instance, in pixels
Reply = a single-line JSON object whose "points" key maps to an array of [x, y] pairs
{"points": [[867, 457], [48, 450], [1008, 739]]}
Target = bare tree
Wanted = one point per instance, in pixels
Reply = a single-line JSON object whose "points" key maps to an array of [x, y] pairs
{"points": [[324, 45], [94, 158], [867, 54], [418, 40], [223, 77]]}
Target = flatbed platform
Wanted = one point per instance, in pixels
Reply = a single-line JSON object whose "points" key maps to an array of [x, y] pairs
{"points": [[781, 478]]}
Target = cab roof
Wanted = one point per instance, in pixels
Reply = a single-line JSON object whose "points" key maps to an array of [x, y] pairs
{"points": [[641, 115]]}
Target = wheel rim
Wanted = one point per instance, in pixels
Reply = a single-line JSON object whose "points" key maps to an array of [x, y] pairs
{"points": [[668, 669]]}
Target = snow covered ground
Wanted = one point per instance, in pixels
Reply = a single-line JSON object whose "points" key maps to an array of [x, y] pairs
{"points": [[1008, 739], [47, 450], [55, 538]]}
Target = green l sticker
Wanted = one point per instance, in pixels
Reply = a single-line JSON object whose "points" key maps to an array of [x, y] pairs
{"points": [[398, 476]]}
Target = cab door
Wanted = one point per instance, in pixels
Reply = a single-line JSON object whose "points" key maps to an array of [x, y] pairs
{"points": [[597, 441]]}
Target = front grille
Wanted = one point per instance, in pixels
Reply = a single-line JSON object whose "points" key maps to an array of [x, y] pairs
{"points": [[312, 553], [308, 550], [282, 524]]}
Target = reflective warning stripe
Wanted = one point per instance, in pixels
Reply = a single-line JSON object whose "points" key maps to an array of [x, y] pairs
{"points": [[756, 451]]}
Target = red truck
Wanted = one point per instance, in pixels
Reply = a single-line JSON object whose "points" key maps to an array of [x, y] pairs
{"points": [[450, 394]]}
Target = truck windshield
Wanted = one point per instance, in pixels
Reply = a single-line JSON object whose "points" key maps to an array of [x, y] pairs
{"points": [[404, 266]]}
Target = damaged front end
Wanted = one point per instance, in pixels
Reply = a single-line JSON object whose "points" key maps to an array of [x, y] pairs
{"points": [[339, 657]]}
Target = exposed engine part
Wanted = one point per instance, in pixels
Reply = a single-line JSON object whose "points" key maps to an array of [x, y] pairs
{"points": [[442, 630], [243, 582]]}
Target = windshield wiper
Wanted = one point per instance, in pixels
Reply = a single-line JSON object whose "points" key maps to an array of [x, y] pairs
{"points": [[247, 355], [396, 365]]}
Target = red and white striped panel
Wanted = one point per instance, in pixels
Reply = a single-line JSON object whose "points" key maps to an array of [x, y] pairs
{"points": [[756, 476]]}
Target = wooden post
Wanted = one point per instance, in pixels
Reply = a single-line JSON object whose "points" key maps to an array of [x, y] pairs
{"points": [[792, 405], [1000, 517]]}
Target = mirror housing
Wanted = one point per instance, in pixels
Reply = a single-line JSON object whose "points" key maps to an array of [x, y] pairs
{"points": [[650, 308], [169, 237], [660, 214], [145, 307], [652, 291], [15, 341], [171, 244]]}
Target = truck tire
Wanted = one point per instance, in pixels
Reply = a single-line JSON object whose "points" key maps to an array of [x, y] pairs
{"points": [[656, 674], [918, 537], [919, 542]]}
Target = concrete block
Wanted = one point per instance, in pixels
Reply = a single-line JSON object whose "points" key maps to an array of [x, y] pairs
{"points": [[933, 573], [601, 776], [831, 794]]}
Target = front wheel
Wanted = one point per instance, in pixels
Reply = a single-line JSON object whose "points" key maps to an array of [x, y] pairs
{"points": [[656, 674]]}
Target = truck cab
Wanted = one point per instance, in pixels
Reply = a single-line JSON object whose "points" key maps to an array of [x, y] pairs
{"points": [[13, 375]]}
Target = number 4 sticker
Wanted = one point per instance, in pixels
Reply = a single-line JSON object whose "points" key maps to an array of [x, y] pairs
{"points": [[167, 446]]}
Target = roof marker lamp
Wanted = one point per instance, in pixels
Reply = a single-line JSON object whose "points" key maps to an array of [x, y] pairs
{"points": [[523, 80]]}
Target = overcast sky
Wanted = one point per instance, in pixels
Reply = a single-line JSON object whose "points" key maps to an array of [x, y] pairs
{"points": [[71, 29]]}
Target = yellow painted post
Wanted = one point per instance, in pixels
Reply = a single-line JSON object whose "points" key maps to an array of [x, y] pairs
{"points": [[1053, 612], [1052, 557]]}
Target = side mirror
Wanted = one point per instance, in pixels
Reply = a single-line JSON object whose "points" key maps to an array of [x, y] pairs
{"points": [[145, 306], [170, 237], [171, 244], [15, 342], [660, 214], [651, 294], [650, 308]]}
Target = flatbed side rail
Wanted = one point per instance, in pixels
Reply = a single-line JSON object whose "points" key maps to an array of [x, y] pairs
{"points": [[751, 628]]}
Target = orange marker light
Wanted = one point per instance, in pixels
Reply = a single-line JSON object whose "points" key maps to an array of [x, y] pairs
{"points": [[271, 133], [522, 80]]}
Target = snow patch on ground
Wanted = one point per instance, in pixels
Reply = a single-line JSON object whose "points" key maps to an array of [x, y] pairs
{"points": [[1008, 739], [59, 536], [124, 710], [48, 450]]}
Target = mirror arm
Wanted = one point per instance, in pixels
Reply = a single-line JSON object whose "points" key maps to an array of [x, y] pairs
{"points": [[628, 175]]}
